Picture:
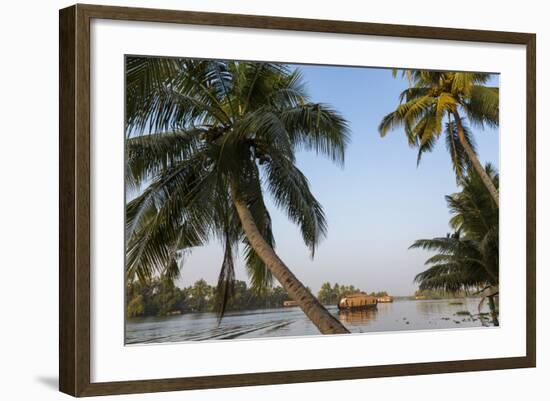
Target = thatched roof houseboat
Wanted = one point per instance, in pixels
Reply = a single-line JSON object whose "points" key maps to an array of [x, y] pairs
{"points": [[384, 299], [357, 301]]}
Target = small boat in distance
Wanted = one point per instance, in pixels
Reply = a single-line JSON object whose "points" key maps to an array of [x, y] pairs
{"points": [[357, 301], [384, 299], [290, 303]]}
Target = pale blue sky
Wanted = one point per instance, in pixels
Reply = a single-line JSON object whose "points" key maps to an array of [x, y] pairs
{"points": [[376, 206]]}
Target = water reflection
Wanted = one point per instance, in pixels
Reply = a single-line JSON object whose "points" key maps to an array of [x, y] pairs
{"points": [[399, 315], [431, 307], [358, 317]]}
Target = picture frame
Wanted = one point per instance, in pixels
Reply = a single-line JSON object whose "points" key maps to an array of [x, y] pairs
{"points": [[75, 200]]}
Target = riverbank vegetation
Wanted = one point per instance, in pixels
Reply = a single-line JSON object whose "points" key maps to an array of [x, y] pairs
{"points": [[161, 297], [467, 259], [330, 295], [208, 141]]}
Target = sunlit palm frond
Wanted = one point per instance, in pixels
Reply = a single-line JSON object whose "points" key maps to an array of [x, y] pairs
{"points": [[407, 114], [482, 106], [435, 95]]}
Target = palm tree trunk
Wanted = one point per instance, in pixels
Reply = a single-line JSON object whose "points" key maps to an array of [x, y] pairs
{"points": [[314, 310], [475, 161], [493, 309]]}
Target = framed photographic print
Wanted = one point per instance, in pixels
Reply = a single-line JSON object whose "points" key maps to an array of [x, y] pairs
{"points": [[250, 200]]}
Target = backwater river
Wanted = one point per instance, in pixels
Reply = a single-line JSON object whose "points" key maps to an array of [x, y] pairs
{"points": [[291, 321]]}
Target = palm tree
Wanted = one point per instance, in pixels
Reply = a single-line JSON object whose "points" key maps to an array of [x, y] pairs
{"points": [[207, 140], [435, 96], [467, 258]]}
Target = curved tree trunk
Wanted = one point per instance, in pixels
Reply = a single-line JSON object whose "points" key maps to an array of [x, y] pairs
{"points": [[490, 293], [475, 161], [315, 311]]}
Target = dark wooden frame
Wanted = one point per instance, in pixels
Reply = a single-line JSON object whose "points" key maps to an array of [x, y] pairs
{"points": [[74, 199]]}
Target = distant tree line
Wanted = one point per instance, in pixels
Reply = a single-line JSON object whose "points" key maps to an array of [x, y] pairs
{"points": [[330, 295], [442, 294], [161, 297]]}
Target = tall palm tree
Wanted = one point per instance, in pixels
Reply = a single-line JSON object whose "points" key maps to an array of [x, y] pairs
{"points": [[468, 258], [207, 140], [438, 102]]}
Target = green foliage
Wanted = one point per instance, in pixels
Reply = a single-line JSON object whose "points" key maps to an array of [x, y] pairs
{"points": [[160, 297], [378, 294], [200, 131], [135, 306], [433, 104], [156, 297], [330, 295], [469, 257]]}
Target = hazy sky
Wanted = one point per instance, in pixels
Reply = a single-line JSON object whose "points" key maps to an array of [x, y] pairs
{"points": [[376, 206]]}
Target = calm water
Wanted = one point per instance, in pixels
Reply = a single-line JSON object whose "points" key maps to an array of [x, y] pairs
{"points": [[399, 315]]}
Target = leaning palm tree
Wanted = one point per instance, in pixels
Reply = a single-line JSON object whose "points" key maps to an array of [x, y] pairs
{"points": [[468, 258], [437, 102], [206, 140]]}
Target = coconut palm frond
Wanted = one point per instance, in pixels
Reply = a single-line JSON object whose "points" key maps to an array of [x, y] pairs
{"points": [[290, 191], [482, 106], [467, 258], [197, 127], [435, 95]]}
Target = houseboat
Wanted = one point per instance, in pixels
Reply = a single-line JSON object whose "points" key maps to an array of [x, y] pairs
{"points": [[384, 299], [357, 301]]}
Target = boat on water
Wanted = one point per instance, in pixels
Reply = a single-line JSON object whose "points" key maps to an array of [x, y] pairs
{"points": [[384, 299], [290, 303], [357, 301]]}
